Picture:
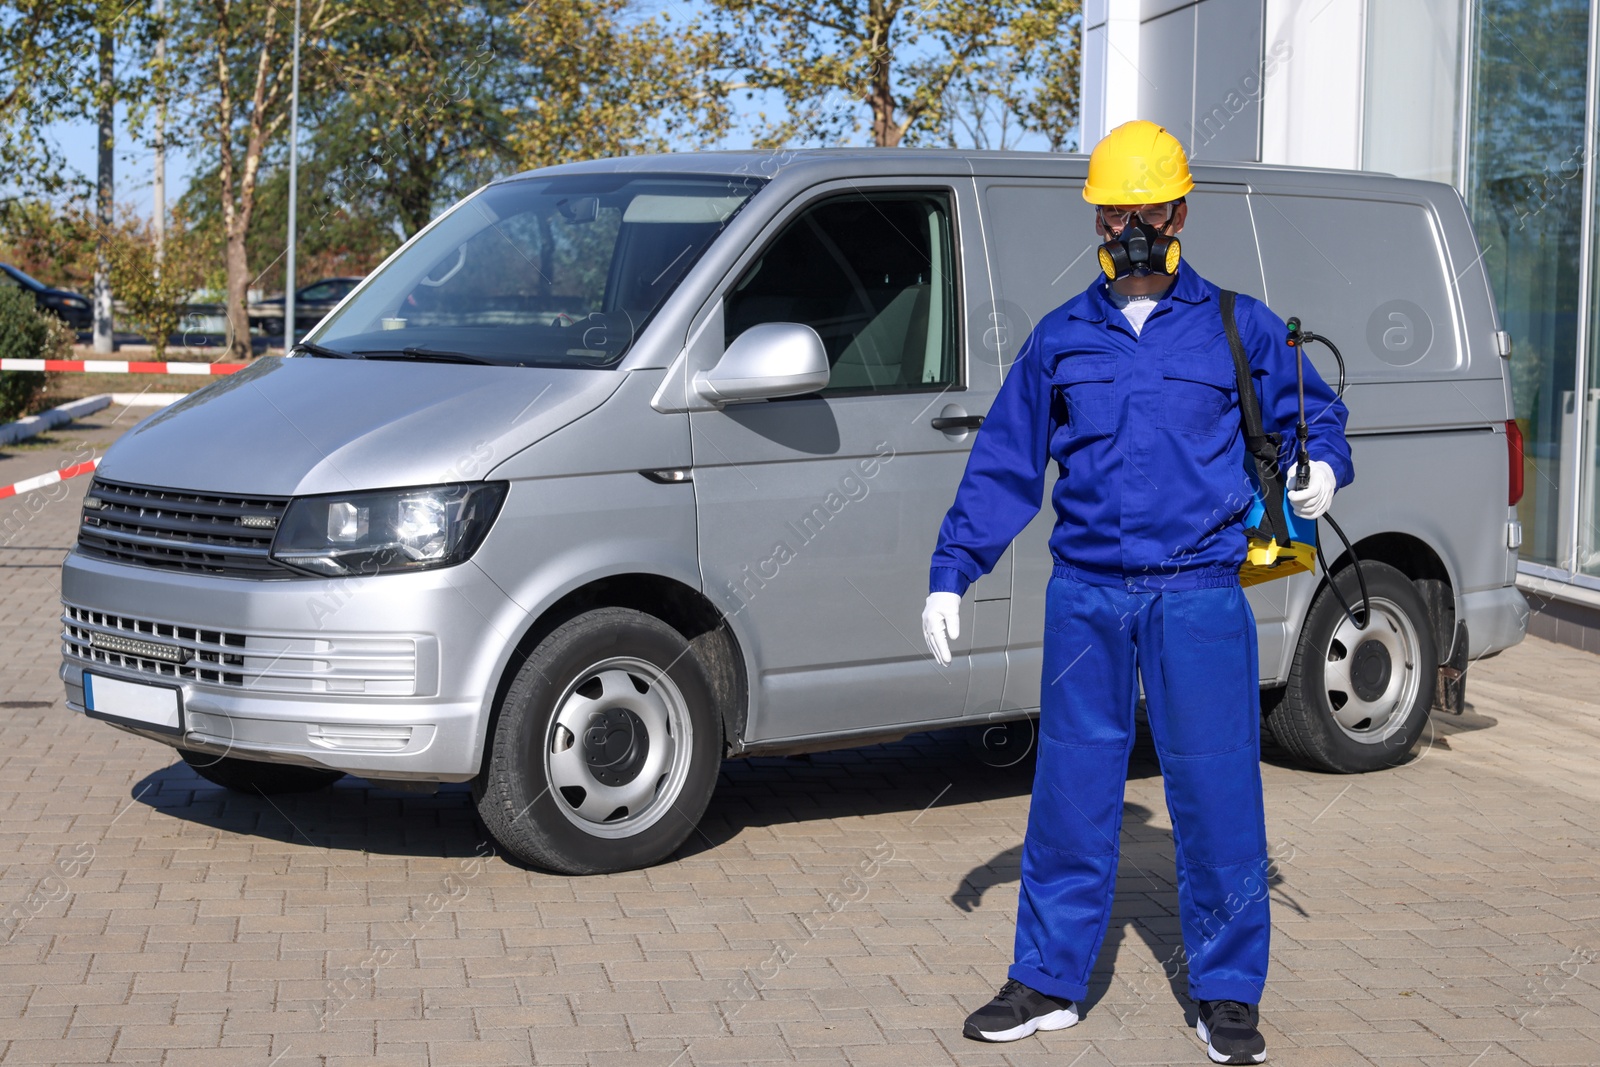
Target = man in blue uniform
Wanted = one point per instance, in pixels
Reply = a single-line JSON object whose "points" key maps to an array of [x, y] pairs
{"points": [[1130, 387]]}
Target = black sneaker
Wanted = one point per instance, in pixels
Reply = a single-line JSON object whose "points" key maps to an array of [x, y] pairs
{"points": [[1017, 1011], [1228, 1027]]}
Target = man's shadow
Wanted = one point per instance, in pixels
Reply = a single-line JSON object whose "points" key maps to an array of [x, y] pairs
{"points": [[1146, 904], [1146, 901]]}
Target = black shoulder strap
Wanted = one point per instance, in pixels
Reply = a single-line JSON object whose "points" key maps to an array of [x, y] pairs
{"points": [[1262, 446], [1249, 405]]}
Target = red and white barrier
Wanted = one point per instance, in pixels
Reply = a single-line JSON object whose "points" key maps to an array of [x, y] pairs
{"points": [[27, 485], [120, 366]]}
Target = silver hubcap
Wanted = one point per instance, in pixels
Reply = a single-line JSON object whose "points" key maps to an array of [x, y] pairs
{"points": [[1370, 677], [618, 748]]}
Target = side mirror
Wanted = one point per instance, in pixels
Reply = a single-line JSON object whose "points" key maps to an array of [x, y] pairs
{"points": [[772, 359]]}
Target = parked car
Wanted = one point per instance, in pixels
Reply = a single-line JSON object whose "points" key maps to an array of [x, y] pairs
{"points": [[74, 309], [623, 468], [310, 304]]}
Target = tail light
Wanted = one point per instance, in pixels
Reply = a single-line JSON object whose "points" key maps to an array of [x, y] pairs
{"points": [[1514, 454]]}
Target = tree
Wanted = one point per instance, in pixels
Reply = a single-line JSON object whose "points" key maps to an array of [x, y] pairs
{"points": [[345, 228], [57, 62], [1028, 85], [53, 242], [41, 66], [154, 281], [1046, 49], [238, 88], [415, 113], [348, 224], [905, 62], [410, 105], [49, 73], [59, 244], [105, 106], [603, 82]]}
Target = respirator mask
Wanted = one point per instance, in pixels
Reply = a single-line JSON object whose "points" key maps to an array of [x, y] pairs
{"points": [[1138, 248]]}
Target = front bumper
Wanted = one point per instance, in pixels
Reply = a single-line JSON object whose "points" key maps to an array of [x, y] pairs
{"points": [[387, 677]]}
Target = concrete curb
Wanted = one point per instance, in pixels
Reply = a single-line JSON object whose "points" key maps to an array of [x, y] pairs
{"points": [[22, 429]]}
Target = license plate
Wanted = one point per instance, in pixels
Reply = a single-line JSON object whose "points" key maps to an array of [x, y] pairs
{"points": [[154, 707]]}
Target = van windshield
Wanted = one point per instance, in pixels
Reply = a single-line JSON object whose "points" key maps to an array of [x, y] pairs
{"points": [[561, 271]]}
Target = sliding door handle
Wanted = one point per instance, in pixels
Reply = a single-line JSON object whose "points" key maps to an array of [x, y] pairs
{"points": [[958, 422]]}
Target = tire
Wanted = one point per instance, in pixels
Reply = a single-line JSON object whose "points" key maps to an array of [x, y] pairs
{"points": [[1358, 700], [606, 747], [260, 779]]}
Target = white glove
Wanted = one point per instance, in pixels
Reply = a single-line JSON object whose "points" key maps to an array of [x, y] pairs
{"points": [[1313, 501], [941, 624]]}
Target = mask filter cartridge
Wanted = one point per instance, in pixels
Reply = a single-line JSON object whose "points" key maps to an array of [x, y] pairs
{"points": [[1139, 250]]}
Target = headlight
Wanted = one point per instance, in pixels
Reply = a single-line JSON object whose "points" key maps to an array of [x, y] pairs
{"points": [[387, 530]]}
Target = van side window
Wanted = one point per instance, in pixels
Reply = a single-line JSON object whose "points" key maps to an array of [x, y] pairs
{"points": [[874, 275]]}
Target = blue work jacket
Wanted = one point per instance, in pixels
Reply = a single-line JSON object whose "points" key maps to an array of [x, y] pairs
{"points": [[1152, 487]]}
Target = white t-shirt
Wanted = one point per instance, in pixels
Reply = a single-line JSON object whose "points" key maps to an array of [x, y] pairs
{"points": [[1134, 308]]}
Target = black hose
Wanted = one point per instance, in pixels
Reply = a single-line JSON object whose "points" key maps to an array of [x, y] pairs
{"points": [[1299, 338], [1361, 579], [1338, 357]]}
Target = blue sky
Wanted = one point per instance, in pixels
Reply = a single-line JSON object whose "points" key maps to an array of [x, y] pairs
{"points": [[134, 163]]}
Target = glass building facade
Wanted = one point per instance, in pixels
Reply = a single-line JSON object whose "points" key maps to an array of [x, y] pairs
{"points": [[1525, 182], [1498, 97]]}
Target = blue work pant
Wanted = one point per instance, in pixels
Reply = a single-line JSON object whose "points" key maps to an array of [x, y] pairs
{"points": [[1195, 650]]}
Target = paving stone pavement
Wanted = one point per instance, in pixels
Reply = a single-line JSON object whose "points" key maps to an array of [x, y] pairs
{"points": [[845, 908]]}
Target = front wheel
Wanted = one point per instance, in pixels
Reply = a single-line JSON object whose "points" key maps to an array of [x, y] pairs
{"points": [[1357, 698], [606, 749]]}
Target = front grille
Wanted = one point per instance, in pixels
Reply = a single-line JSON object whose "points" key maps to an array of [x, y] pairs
{"points": [[335, 664], [174, 529], [202, 655]]}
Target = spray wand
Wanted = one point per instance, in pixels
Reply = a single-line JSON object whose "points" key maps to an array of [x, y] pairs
{"points": [[1298, 338]]}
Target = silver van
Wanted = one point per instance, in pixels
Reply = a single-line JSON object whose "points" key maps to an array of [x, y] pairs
{"points": [[623, 468]]}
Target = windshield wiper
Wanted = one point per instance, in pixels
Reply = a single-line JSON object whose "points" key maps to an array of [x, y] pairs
{"points": [[426, 355], [323, 350]]}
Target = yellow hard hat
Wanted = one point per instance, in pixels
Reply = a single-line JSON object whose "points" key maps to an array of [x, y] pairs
{"points": [[1137, 163]]}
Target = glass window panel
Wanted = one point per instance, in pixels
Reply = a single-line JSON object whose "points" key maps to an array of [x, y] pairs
{"points": [[563, 270], [1589, 474], [1525, 188], [872, 275], [1412, 100]]}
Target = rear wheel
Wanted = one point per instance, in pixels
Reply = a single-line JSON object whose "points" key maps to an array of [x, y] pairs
{"points": [[606, 749], [1358, 698], [253, 776]]}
